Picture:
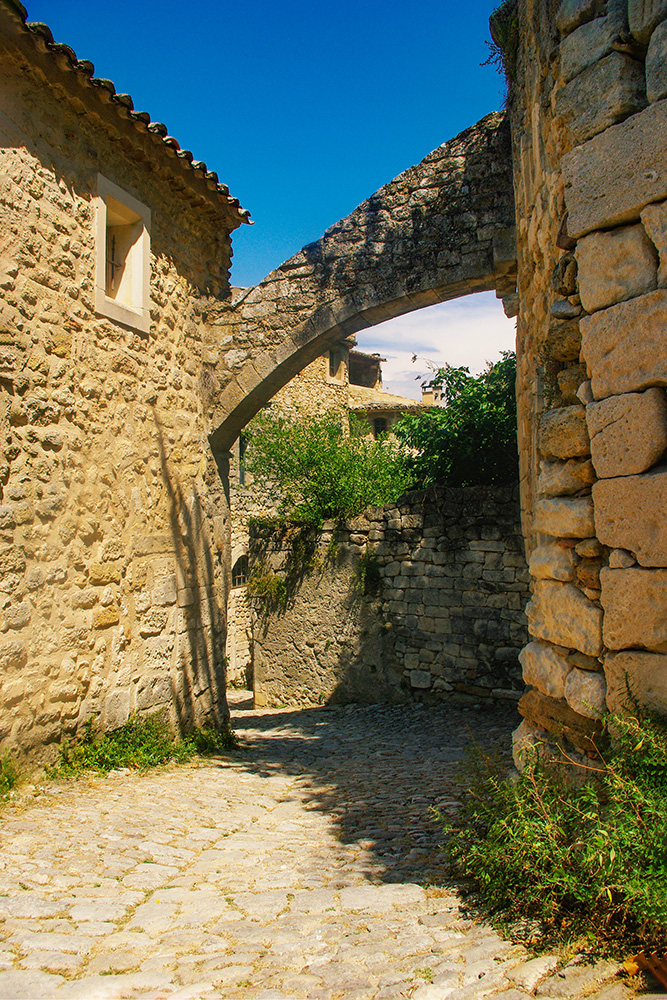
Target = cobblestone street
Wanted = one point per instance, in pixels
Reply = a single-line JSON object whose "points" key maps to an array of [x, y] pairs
{"points": [[304, 867]]}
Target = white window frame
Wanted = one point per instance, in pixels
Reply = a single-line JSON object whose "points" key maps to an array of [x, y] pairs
{"points": [[135, 313]]}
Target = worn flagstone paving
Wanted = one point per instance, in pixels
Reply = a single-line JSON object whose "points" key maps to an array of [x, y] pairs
{"points": [[305, 867]]}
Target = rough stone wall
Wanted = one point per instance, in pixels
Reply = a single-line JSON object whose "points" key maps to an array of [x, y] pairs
{"points": [[441, 229], [110, 583], [419, 601], [589, 121], [314, 389]]}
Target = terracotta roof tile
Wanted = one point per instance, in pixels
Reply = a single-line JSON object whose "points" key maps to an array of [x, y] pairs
{"points": [[66, 58]]}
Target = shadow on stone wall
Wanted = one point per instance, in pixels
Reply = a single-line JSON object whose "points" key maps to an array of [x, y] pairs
{"points": [[422, 601], [199, 685]]}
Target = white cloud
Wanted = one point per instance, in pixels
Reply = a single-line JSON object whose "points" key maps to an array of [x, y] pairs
{"points": [[467, 331]]}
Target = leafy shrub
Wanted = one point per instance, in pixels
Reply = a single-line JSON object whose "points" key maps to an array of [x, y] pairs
{"points": [[320, 471], [582, 857], [142, 742], [472, 439], [267, 585]]}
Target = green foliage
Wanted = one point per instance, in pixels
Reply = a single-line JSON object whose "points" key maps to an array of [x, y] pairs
{"points": [[504, 28], [142, 742], [368, 576], [268, 586], [584, 857], [320, 471], [9, 775], [472, 439]]}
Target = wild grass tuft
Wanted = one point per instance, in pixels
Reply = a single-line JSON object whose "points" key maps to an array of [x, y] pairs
{"points": [[142, 742], [584, 857]]}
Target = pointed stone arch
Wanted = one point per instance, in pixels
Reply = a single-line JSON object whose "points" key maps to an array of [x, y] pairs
{"points": [[441, 229]]}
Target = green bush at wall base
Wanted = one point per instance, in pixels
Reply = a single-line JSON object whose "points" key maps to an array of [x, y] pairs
{"points": [[142, 742], [583, 858]]}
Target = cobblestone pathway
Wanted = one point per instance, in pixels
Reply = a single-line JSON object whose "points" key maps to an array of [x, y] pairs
{"points": [[305, 867]]}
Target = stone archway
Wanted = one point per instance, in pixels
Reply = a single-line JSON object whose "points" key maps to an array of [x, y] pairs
{"points": [[440, 230]]}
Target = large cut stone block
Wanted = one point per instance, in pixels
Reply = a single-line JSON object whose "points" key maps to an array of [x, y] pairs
{"points": [[625, 346], [609, 179], [656, 64], [555, 716], [561, 614], [586, 45], [628, 432], [635, 608], [615, 266], [561, 478], [630, 514], [545, 667], [605, 93], [572, 13], [585, 692], [644, 16], [563, 433], [654, 218], [554, 561], [634, 677], [565, 517]]}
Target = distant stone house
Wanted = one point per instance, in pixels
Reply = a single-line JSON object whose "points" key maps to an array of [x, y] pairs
{"points": [[114, 255], [344, 380]]}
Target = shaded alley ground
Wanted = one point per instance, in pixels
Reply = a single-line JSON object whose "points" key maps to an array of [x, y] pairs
{"points": [[305, 866]]}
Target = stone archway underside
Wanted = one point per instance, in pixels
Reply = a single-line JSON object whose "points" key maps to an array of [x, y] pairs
{"points": [[442, 229]]}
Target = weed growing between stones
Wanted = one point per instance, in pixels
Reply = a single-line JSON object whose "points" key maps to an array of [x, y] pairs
{"points": [[504, 28], [368, 577], [584, 857], [268, 586], [9, 776], [140, 743]]}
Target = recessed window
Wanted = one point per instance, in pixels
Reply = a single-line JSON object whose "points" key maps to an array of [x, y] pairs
{"points": [[240, 572], [379, 426], [336, 363], [122, 280]]}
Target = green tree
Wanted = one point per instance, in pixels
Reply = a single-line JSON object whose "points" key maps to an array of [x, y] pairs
{"points": [[320, 471], [471, 440]]}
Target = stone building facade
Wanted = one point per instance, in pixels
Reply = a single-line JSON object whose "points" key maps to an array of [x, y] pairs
{"points": [[113, 247]]}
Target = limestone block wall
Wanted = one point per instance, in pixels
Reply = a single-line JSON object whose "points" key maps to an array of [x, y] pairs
{"points": [[112, 518], [419, 601], [589, 115], [314, 390]]}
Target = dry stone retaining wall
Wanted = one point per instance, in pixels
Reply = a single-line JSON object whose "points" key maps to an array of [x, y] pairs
{"points": [[420, 601]]}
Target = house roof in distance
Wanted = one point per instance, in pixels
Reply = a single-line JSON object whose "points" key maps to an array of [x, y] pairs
{"points": [[148, 140], [365, 400]]}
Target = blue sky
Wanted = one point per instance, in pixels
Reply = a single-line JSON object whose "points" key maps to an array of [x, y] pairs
{"points": [[303, 108]]}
